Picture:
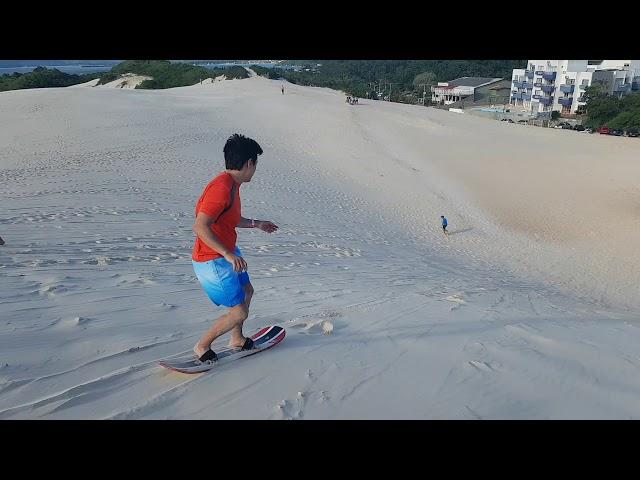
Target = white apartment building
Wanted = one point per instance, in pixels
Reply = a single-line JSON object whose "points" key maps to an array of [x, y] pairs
{"points": [[547, 85]]}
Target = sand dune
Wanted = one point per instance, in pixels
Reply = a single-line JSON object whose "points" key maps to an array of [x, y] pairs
{"points": [[127, 80], [90, 83], [529, 309]]}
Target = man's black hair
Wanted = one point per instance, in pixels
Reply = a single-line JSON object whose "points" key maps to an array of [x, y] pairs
{"points": [[239, 150]]}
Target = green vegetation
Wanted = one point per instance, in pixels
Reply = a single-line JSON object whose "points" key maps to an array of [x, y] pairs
{"points": [[169, 75], [405, 80], [611, 111], [42, 78], [165, 75]]}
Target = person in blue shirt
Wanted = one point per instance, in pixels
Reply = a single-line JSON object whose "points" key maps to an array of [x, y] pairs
{"points": [[444, 224]]}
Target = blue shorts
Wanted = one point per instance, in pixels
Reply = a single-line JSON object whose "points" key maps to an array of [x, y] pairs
{"points": [[221, 283]]}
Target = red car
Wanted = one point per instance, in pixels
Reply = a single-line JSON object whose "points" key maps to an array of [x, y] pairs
{"points": [[604, 130]]}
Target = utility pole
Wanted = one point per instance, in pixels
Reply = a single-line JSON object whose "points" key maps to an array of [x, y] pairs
{"points": [[424, 93]]}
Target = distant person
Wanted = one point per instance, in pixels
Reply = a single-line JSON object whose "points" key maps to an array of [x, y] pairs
{"points": [[1, 241], [444, 224], [283, 89], [217, 261]]}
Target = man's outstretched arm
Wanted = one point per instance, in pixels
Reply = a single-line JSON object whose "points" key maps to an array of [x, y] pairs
{"points": [[264, 225]]}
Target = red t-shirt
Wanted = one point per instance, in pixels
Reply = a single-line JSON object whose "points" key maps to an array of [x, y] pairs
{"points": [[214, 200]]}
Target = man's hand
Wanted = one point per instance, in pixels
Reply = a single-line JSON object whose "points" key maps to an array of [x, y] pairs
{"points": [[266, 226], [238, 263]]}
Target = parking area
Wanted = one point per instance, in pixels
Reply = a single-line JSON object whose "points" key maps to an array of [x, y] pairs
{"points": [[523, 117]]}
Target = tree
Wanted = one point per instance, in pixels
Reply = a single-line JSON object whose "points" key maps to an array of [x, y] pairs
{"points": [[425, 78], [609, 110], [592, 92]]}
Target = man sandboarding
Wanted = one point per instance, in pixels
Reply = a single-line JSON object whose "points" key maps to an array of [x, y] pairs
{"points": [[217, 261]]}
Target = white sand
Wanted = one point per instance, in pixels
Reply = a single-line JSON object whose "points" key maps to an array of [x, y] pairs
{"points": [[90, 83], [127, 80], [529, 309]]}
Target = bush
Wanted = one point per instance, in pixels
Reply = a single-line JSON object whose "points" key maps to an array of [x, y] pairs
{"points": [[625, 121], [108, 77], [235, 72], [169, 75], [603, 109], [42, 77]]}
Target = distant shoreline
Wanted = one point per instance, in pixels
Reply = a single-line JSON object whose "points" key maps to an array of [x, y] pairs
{"points": [[63, 68]]}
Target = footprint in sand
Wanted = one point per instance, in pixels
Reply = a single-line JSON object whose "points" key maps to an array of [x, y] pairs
{"points": [[314, 327], [456, 298], [292, 409], [70, 322], [481, 366], [52, 290]]}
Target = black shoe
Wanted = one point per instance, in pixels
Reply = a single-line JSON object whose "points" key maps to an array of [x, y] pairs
{"points": [[208, 357], [248, 344]]}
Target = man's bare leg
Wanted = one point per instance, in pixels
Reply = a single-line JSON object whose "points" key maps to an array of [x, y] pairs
{"points": [[233, 318], [237, 339]]}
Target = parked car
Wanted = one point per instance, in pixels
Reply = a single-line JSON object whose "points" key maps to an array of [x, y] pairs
{"points": [[590, 130], [633, 132], [603, 130], [617, 132], [523, 122], [579, 128]]}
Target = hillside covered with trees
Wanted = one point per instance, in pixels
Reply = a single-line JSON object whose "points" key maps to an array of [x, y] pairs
{"points": [[405, 80], [169, 75], [165, 74], [611, 111], [42, 77]]}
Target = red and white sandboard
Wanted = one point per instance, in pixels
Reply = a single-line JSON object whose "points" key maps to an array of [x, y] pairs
{"points": [[266, 338]]}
